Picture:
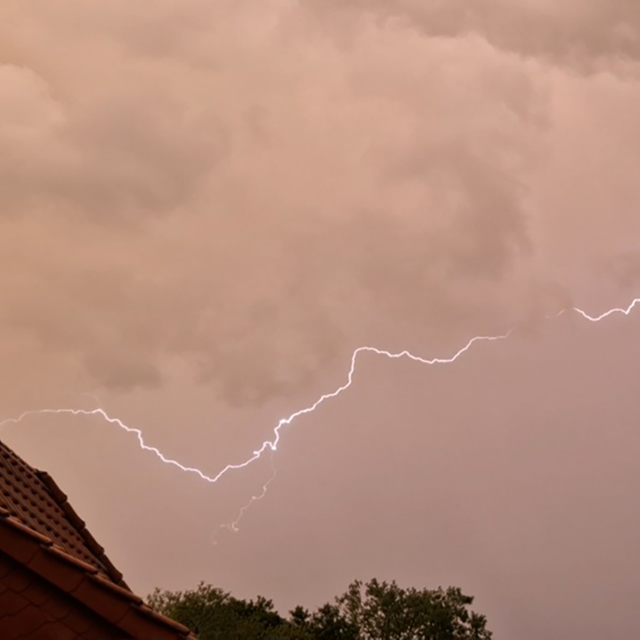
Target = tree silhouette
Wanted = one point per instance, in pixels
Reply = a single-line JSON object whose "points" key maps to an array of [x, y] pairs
{"points": [[372, 611]]}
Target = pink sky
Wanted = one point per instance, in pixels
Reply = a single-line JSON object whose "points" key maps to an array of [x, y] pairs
{"points": [[206, 206]]}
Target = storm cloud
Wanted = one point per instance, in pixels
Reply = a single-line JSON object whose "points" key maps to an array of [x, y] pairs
{"points": [[253, 188]]}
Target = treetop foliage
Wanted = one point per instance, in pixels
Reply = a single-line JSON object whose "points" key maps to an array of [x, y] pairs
{"points": [[366, 611]]}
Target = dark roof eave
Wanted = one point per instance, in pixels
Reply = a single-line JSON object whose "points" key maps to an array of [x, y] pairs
{"points": [[82, 581]]}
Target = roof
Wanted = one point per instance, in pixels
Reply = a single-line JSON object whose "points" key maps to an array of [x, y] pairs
{"points": [[35, 500], [40, 530]]}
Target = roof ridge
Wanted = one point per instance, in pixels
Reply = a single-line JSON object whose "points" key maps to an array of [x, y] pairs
{"points": [[33, 497], [79, 525]]}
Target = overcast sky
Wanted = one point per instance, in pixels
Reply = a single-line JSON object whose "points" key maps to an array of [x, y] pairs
{"points": [[205, 207]]}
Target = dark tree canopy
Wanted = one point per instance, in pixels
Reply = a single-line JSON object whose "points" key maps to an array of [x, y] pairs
{"points": [[372, 611], [385, 611]]}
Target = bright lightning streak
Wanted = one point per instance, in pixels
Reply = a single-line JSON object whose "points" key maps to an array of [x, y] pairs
{"points": [[235, 525], [606, 314], [122, 425], [272, 444], [267, 445]]}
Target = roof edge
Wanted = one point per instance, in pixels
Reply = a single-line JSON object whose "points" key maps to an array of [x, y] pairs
{"points": [[83, 583], [79, 524]]}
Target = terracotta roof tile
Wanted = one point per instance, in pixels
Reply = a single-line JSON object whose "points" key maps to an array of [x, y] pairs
{"points": [[31, 620], [70, 559], [78, 622], [56, 608], [95, 597], [65, 576], [37, 593], [147, 626], [12, 604], [35, 500], [17, 543], [116, 590], [153, 615], [16, 581], [41, 532], [17, 524]]}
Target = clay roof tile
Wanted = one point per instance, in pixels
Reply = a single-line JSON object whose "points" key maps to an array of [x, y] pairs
{"points": [[40, 530]]}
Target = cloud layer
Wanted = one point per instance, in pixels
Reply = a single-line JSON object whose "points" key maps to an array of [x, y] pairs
{"points": [[250, 189]]}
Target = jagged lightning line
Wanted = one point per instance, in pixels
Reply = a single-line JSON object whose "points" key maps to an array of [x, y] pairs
{"points": [[235, 525], [272, 445], [606, 314]]}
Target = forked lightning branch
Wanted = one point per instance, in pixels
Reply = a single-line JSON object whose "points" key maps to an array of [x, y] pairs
{"points": [[271, 445]]}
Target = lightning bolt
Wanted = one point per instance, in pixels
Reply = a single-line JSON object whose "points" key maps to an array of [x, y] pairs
{"points": [[267, 445], [271, 445], [235, 525], [606, 314]]}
